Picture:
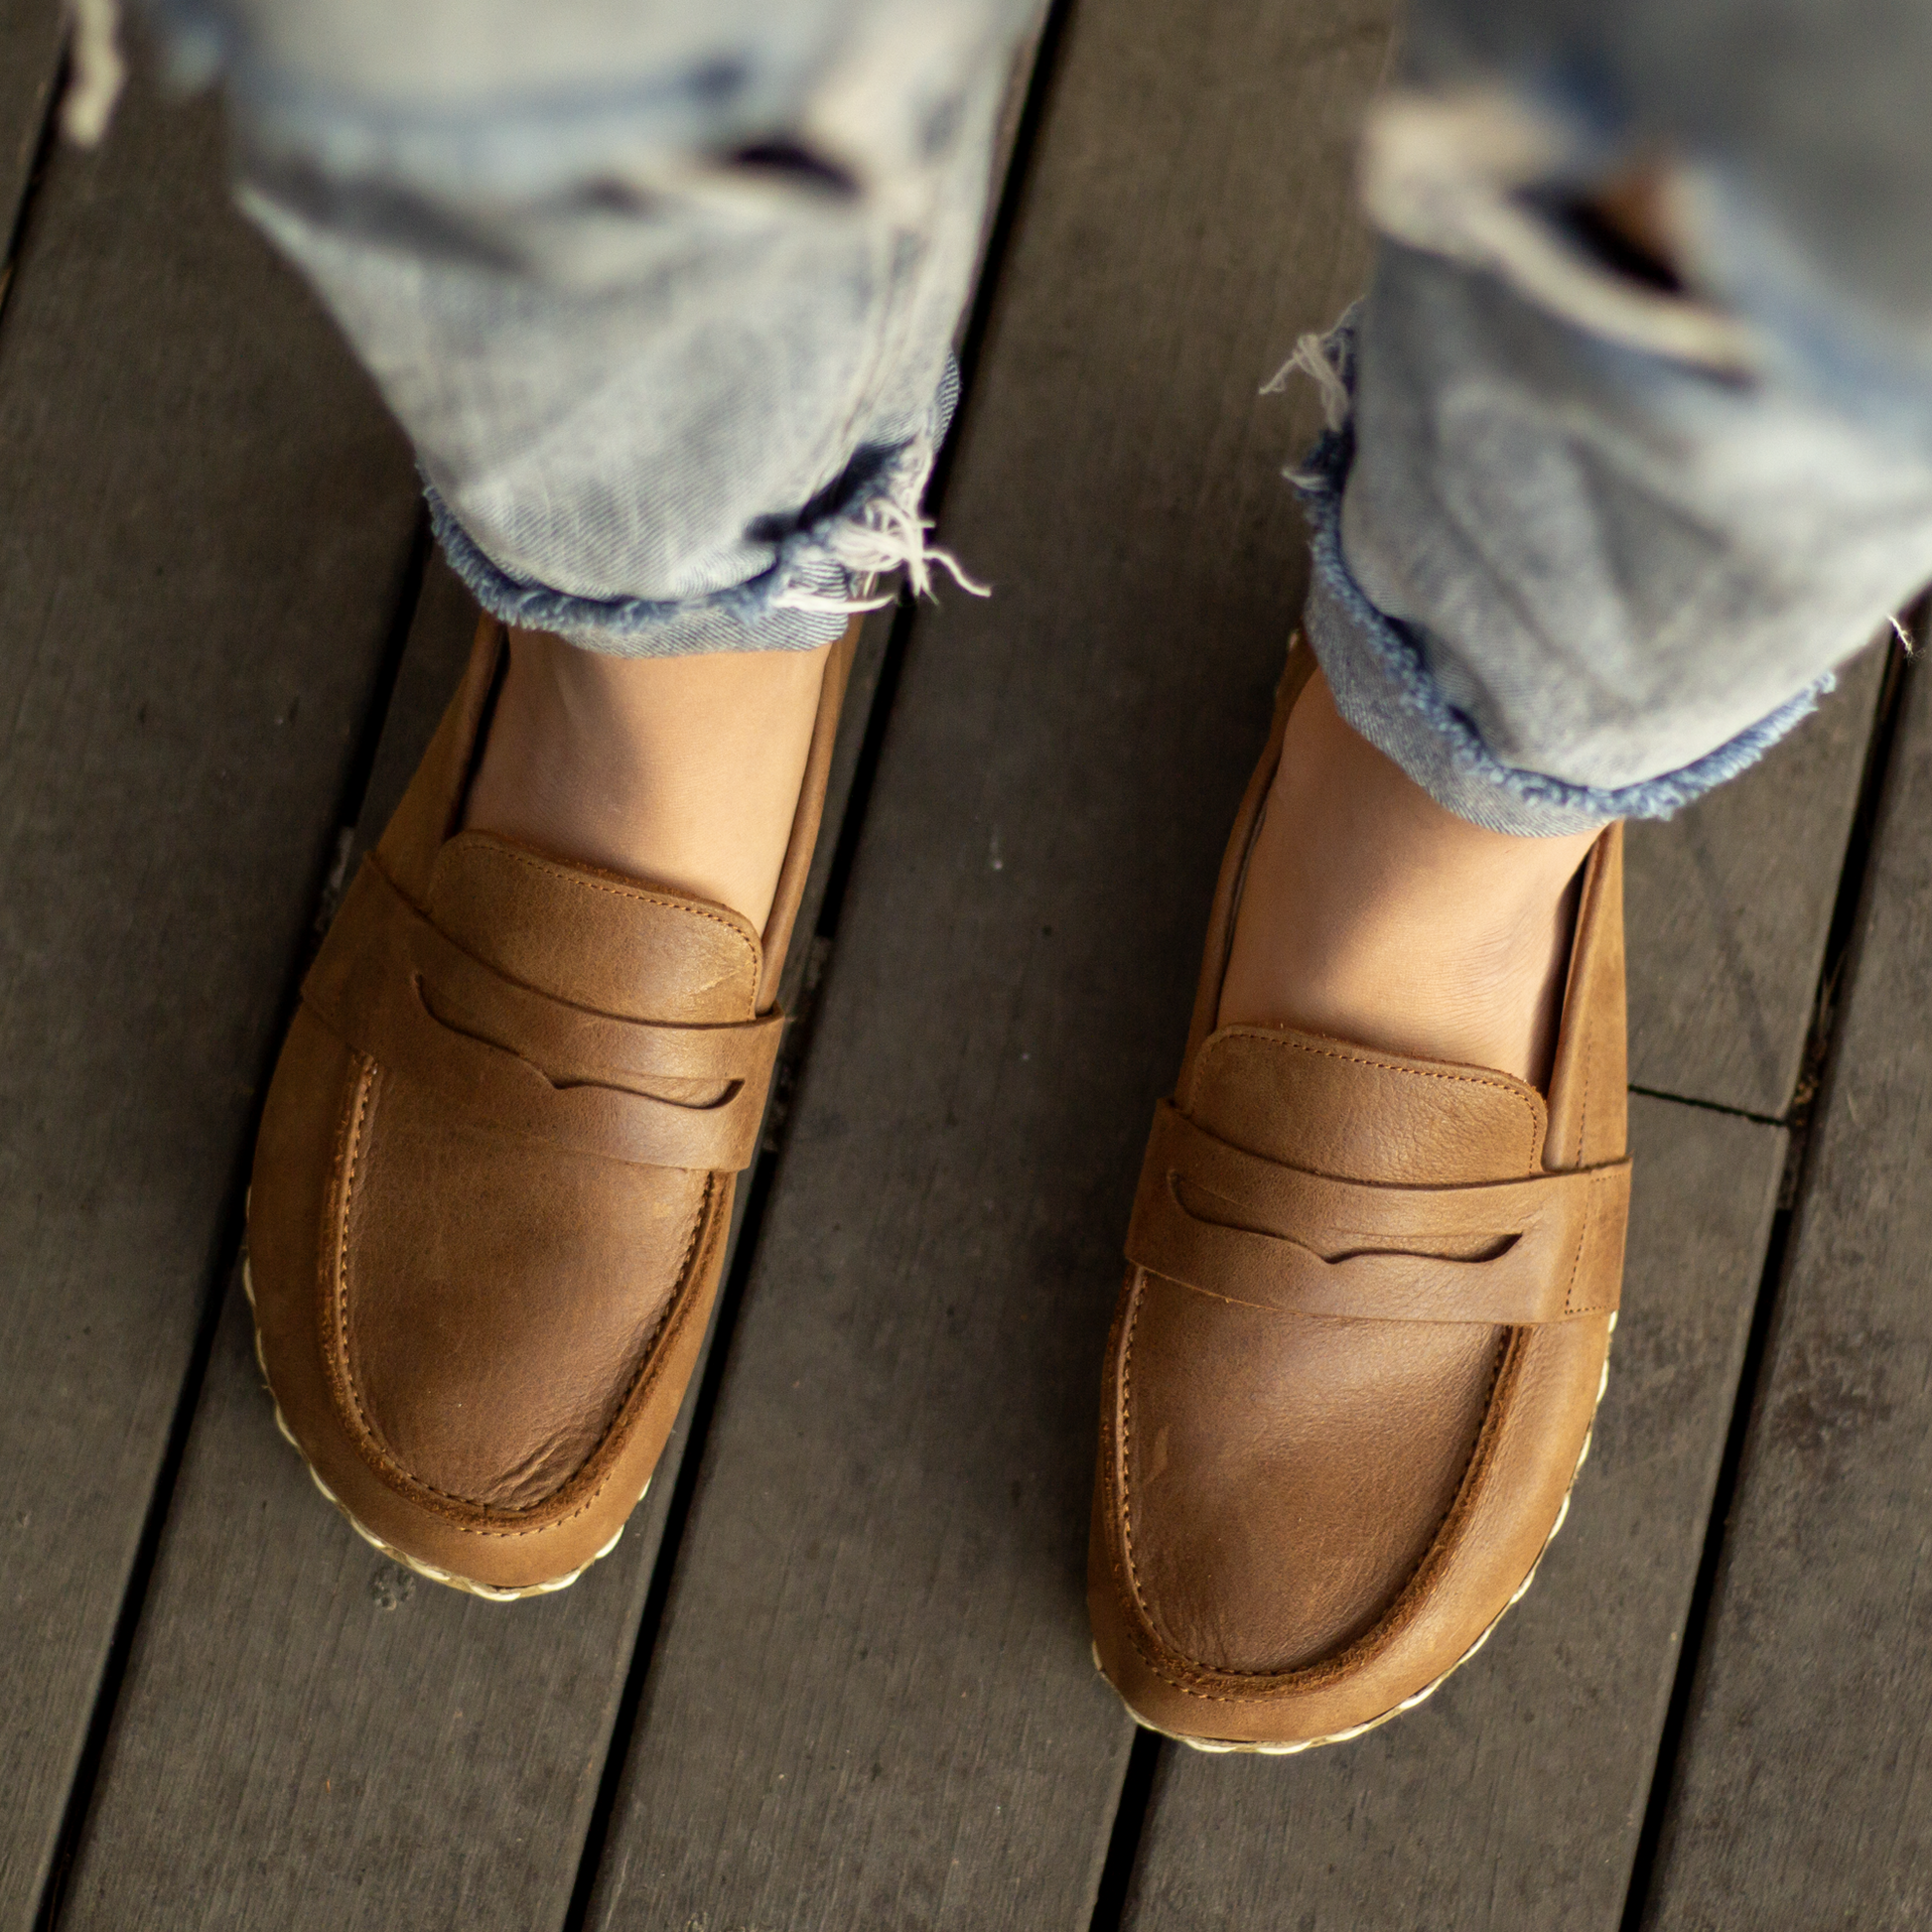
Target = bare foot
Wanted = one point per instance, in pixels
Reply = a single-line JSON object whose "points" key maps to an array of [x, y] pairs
{"points": [[1371, 914], [682, 770]]}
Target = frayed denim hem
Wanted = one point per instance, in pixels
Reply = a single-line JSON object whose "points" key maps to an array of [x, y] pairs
{"points": [[746, 616], [823, 572], [1383, 688]]}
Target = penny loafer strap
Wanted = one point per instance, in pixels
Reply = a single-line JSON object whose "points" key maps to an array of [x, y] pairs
{"points": [[1243, 1228], [392, 985]]}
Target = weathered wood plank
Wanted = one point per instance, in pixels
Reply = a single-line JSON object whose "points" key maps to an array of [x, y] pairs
{"points": [[204, 523], [309, 1738], [1514, 1797], [873, 1702], [1736, 894], [29, 57], [1801, 1793]]}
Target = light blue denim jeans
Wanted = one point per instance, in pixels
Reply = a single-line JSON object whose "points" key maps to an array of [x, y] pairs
{"points": [[663, 295], [666, 297]]}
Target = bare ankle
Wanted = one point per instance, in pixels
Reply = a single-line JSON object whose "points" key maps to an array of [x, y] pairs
{"points": [[1372, 915], [684, 771]]}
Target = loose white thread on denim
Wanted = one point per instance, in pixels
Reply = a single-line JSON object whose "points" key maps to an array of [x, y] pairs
{"points": [[882, 537], [1312, 360], [98, 71], [1327, 362]]}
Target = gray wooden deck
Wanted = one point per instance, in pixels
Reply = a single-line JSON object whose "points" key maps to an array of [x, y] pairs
{"points": [[836, 1676]]}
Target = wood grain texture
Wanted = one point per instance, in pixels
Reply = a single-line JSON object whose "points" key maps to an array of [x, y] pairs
{"points": [[1732, 899], [1514, 1797], [1801, 1796], [203, 520], [873, 1703], [309, 1738], [29, 57]]}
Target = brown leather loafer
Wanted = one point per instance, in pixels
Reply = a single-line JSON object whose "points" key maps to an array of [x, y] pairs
{"points": [[1358, 1354], [494, 1175]]}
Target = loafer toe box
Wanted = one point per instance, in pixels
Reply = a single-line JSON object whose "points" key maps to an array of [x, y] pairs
{"points": [[1284, 1477]]}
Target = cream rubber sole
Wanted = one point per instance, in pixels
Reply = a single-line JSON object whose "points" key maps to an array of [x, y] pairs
{"points": [[490, 1592], [1223, 1744]]}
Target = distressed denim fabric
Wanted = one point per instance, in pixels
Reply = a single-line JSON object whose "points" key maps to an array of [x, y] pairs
{"points": [[1584, 547], [664, 295], [1560, 581]]}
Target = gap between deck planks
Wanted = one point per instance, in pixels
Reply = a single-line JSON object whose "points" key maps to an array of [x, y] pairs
{"points": [[30, 59], [203, 520], [1803, 1792]]}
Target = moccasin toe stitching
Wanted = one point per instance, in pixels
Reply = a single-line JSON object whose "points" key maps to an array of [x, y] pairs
{"points": [[1277, 1505], [497, 1299]]}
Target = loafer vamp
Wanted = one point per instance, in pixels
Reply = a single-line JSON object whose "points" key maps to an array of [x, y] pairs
{"points": [[495, 1298], [1355, 1363], [1286, 1476]]}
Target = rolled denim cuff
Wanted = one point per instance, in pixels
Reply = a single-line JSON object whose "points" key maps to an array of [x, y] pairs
{"points": [[745, 616], [1383, 687], [823, 567]]}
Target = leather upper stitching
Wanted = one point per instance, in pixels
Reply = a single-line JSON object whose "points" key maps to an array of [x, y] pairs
{"points": [[1576, 1257], [1582, 1099], [365, 1085], [1125, 1513], [411, 1483], [1127, 1436], [1576, 1265]]}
